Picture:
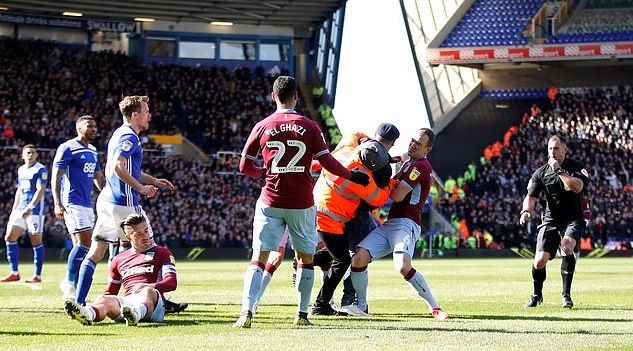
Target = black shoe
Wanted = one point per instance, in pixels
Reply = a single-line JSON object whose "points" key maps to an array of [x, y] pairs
{"points": [[534, 301], [323, 310], [567, 302], [174, 307]]}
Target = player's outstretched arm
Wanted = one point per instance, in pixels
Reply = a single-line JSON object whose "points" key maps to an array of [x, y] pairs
{"points": [[161, 183], [248, 167], [333, 166], [120, 169]]}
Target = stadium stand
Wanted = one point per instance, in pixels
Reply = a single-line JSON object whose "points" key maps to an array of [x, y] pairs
{"points": [[512, 94], [598, 21], [598, 125], [215, 108], [479, 28]]}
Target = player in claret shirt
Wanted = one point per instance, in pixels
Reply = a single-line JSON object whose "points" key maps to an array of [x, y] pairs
{"points": [[288, 142], [146, 272], [402, 229]]}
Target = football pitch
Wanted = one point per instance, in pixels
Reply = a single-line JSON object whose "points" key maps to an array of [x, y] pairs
{"points": [[483, 296]]}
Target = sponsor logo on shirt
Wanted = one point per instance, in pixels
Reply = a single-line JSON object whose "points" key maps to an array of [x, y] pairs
{"points": [[137, 270]]}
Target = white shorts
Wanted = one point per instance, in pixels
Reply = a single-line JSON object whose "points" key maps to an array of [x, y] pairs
{"points": [[109, 216], [79, 218], [270, 223], [397, 235], [135, 299], [33, 223]]}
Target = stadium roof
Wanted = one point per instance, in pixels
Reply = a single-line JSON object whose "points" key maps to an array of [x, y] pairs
{"points": [[298, 14]]}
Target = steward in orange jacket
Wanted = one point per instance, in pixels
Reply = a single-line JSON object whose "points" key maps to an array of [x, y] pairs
{"points": [[340, 222], [337, 198]]}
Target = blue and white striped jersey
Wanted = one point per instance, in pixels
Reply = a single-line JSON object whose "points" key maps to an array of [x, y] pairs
{"points": [[125, 143]]}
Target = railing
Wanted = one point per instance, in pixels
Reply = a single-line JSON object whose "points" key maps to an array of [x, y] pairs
{"points": [[561, 15], [537, 24]]}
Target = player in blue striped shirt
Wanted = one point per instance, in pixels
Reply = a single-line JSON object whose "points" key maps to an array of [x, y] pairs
{"points": [[76, 171], [125, 184], [27, 214]]}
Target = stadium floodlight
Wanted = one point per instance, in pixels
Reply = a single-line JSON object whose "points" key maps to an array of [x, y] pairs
{"points": [[72, 14], [2, 8], [144, 19], [221, 23]]}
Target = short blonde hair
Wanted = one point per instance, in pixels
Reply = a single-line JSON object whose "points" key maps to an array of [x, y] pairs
{"points": [[131, 104]]}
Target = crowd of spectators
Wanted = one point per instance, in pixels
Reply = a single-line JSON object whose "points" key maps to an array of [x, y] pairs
{"points": [[44, 88], [597, 123]]}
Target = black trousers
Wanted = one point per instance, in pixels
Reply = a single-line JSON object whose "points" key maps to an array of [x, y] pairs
{"points": [[341, 247]]}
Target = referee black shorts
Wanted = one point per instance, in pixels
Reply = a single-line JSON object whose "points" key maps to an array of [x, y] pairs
{"points": [[551, 234]]}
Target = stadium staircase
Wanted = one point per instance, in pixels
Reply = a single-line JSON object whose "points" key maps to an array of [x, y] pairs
{"points": [[480, 124]]}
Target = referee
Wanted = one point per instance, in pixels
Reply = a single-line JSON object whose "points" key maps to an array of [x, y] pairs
{"points": [[561, 180]]}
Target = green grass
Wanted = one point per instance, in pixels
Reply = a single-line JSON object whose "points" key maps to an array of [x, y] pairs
{"points": [[484, 297]]}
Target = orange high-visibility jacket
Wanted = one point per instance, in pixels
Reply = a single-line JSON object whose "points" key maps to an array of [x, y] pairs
{"points": [[337, 198]]}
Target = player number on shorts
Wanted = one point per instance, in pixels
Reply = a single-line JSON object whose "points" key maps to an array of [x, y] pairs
{"points": [[291, 166]]}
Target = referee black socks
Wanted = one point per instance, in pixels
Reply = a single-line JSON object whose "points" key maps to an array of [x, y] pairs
{"points": [[538, 275], [567, 267]]}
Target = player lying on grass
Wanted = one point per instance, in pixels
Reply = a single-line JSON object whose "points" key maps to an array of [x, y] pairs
{"points": [[146, 272]]}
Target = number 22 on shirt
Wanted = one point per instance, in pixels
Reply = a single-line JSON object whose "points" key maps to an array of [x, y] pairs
{"points": [[297, 146]]}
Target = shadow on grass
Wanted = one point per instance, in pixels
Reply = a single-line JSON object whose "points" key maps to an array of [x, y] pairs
{"points": [[540, 318], [459, 329], [239, 304], [615, 309], [36, 333], [32, 310]]}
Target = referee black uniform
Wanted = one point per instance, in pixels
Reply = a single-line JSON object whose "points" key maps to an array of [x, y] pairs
{"points": [[563, 217]]}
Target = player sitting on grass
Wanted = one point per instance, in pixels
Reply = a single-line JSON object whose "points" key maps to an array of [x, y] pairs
{"points": [[146, 272]]}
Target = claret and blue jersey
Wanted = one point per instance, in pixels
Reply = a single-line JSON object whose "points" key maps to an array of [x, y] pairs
{"points": [[79, 162], [123, 143]]}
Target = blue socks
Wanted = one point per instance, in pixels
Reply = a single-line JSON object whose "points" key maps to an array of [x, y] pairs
{"points": [[13, 255], [38, 259], [75, 257], [86, 272]]}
